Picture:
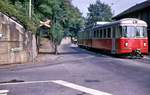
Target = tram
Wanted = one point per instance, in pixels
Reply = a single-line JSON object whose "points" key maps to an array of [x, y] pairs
{"points": [[126, 36]]}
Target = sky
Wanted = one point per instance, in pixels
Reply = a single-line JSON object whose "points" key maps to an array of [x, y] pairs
{"points": [[117, 6]]}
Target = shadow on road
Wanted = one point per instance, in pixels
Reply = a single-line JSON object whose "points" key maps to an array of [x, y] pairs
{"points": [[65, 53], [46, 53]]}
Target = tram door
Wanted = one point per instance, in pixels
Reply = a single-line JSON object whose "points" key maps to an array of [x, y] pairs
{"points": [[148, 33], [113, 40]]}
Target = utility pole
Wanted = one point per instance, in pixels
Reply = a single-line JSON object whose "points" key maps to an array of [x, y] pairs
{"points": [[30, 14], [30, 5]]}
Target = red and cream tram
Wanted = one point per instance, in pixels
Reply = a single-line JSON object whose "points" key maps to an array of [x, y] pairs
{"points": [[120, 37]]}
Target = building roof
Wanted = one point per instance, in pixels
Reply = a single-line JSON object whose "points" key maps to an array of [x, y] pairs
{"points": [[134, 8]]}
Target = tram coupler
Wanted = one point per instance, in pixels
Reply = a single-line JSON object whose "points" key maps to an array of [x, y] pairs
{"points": [[136, 54]]}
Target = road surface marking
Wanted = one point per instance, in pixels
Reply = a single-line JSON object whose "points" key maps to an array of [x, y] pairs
{"points": [[63, 83], [80, 88], [4, 92], [29, 82]]}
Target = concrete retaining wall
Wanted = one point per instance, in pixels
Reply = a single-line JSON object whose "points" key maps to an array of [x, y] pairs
{"points": [[16, 44]]}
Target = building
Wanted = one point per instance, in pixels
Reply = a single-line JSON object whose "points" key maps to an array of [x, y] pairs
{"points": [[139, 11], [17, 45]]}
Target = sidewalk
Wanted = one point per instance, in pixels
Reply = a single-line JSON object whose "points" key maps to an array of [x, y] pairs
{"points": [[41, 59]]}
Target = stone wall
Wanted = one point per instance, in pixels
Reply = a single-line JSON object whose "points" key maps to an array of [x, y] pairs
{"points": [[16, 44]]}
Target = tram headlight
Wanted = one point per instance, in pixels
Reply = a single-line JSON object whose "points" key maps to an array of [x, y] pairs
{"points": [[144, 44], [126, 44]]}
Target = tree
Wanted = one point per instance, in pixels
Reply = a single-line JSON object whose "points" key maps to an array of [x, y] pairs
{"points": [[14, 1], [11, 10], [66, 19], [99, 12]]}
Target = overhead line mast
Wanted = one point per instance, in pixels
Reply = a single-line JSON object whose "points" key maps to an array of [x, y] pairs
{"points": [[30, 5]]}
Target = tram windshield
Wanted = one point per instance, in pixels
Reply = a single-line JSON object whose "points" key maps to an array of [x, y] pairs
{"points": [[133, 32]]}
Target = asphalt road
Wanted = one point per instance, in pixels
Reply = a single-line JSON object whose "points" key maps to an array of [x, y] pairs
{"points": [[76, 71]]}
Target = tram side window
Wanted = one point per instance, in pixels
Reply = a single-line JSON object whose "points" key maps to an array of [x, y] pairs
{"points": [[109, 32], [100, 34], [105, 33], [97, 33], [114, 32], [89, 34], [94, 34], [86, 34], [118, 32], [106, 36], [124, 31], [82, 35]]}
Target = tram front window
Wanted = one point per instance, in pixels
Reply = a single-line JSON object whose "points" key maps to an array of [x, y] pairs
{"points": [[133, 32]]}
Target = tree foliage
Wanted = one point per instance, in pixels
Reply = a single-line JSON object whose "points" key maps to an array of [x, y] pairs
{"points": [[99, 12], [13, 11], [66, 19], [61, 12]]}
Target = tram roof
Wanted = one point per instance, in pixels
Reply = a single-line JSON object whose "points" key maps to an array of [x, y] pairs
{"points": [[125, 21]]}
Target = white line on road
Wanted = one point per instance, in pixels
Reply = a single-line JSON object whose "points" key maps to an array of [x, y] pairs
{"points": [[80, 88], [63, 83], [29, 82], [4, 92]]}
